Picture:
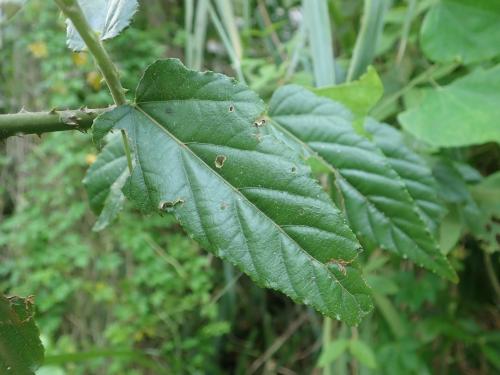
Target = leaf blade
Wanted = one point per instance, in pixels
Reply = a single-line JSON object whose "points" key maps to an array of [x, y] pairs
{"points": [[274, 223], [376, 202]]}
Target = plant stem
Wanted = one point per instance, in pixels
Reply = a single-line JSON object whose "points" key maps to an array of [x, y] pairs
{"points": [[491, 275], [431, 73], [45, 122], [327, 337], [72, 10]]}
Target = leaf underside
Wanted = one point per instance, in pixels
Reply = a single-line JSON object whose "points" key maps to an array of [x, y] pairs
{"points": [[202, 152], [106, 17], [376, 201]]}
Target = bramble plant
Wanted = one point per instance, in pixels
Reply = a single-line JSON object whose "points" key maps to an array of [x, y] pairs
{"points": [[290, 191]]}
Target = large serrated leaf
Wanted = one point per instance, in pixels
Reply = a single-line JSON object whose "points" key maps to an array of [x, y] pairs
{"points": [[106, 17], [378, 206], [21, 351], [415, 173], [202, 152]]}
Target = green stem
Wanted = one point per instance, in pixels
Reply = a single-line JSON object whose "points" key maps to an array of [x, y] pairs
{"points": [[431, 73], [45, 122], [72, 10], [327, 337], [491, 275]]}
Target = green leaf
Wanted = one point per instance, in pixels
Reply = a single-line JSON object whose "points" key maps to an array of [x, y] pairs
{"points": [[450, 230], [363, 353], [359, 96], [333, 350], [466, 112], [104, 182], [21, 349], [107, 18], [464, 30], [487, 196], [377, 204], [203, 153], [415, 173]]}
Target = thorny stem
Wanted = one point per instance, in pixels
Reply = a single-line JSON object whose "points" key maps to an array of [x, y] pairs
{"points": [[45, 122], [72, 10]]}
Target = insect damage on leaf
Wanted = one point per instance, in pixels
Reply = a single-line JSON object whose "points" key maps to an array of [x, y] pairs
{"points": [[220, 160]]}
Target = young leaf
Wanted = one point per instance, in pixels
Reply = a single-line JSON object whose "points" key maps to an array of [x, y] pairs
{"points": [[106, 17], [377, 204], [333, 350], [415, 173], [104, 182], [466, 30], [359, 96], [443, 119], [202, 152], [21, 349], [363, 353]]}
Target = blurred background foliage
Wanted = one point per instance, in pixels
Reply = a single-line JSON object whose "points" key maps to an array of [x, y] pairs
{"points": [[142, 298]]}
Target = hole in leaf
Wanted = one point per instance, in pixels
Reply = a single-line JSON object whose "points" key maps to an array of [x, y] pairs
{"points": [[220, 160]]}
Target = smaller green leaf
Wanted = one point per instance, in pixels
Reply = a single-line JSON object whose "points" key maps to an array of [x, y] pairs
{"points": [[104, 182], [363, 353], [332, 351], [359, 96], [106, 17], [466, 112], [465, 30], [21, 351], [450, 230], [487, 196]]}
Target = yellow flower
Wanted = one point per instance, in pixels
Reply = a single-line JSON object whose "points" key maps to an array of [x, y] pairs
{"points": [[90, 158], [94, 80], [79, 58], [38, 49]]}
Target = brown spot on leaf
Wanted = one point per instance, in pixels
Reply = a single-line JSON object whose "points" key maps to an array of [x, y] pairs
{"points": [[231, 108], [220, 160], [166, 205], [260, 123]]}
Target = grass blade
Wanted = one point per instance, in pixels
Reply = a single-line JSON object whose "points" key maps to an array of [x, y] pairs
{"points": [[369, 34], [320, 41]]}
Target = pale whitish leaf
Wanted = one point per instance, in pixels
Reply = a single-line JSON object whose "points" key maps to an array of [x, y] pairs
{"points": [[106, 17], [202, 152], [104, 181], [414, 171], [374, 197]]}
